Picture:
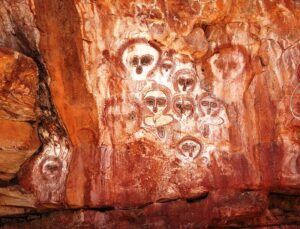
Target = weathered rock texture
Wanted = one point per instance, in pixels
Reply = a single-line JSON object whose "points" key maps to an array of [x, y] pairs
{"points": [[150, 114], [18, 99]]}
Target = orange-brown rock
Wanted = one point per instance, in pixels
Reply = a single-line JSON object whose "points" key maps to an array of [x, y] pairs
{"points": [[15, 201], [18, 142], [18, 86], [160, 114]]}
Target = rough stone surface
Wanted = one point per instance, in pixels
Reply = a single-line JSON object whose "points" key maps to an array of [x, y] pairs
{"points": [[18, 87], [236, 210], [160, 114], [18, 142], [15, 201]]}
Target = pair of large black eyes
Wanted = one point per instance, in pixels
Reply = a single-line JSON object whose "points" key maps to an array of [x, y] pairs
{"points": [[188, 146], [187, 82], [211, 104], [150, 101], [131, 116], [144, 60], [184, 107], [51, 167]]}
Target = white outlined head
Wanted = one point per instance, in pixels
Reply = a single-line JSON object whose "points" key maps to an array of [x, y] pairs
{"points": [[139, 58]]}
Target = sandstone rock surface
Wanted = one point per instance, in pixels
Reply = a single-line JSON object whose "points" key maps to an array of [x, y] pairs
{"points": [[18, 106], [18, 87], [160, 114], [14, 201], [19, 141]]}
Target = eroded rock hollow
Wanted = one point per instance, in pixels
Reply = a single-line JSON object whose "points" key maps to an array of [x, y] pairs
{"points": [[149, 114]]}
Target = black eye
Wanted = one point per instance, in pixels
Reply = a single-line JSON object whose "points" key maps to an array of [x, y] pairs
{"points": [[132, 116], [213, 104], [166, 66], [181, 81], [149, 101], [134, 61], [161, 102], [189, 82], [188, 107], [179, 105], [204, 103], [185, 146], [146, 60], [52, 167]]}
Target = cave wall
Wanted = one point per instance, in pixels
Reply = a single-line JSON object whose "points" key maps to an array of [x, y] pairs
{"points": [[150, 114]]}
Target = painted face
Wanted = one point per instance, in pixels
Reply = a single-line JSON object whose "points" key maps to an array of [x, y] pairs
{"points": [[167, 67], [51, 167], [140, 59], [123, 117], [184, 80], [228, 65], [295, 102], [209, 106], [183, 106], [189, 147], [156, 102]]}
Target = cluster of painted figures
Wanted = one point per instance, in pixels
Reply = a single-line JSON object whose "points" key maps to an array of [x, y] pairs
{"points": [[165, 103]]}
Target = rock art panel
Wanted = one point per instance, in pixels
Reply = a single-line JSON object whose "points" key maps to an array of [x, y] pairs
{"points": [[156, 98], [164, 100], [169, 113]]}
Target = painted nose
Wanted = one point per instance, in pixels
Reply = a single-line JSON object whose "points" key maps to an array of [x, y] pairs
{"points": [[208, 110], [191, 150], [181, 109], [139, 69], [184, 85], [155, 108]]}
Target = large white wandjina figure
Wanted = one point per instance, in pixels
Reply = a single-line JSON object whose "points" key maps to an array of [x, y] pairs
{"points": [[139, 58]]}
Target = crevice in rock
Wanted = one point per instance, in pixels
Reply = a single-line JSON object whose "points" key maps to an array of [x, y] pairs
{"points": [[145, 205], [167, 200], [197, 198], [103, 208], [46, 106], [11, 182]]}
